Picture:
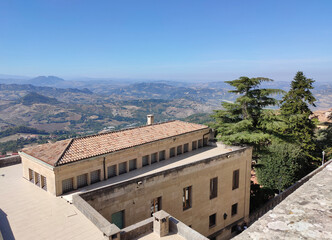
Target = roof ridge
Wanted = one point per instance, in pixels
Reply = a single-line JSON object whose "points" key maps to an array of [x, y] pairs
{"points": [[64, 151], [124, 129]]}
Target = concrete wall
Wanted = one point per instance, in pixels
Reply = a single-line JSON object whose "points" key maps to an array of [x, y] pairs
{"points": [[136, 199], [8, 161], [136, 230], [183, 230]]}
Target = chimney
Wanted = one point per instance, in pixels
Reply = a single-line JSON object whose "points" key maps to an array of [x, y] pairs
{"points": [[150, 119], [161, 223]]}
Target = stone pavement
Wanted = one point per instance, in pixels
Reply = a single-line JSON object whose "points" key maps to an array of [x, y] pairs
{"points": [[29, 212], [305, 214]]}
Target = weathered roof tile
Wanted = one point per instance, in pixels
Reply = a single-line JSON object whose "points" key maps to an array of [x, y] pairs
{"points": [[72, 150]]}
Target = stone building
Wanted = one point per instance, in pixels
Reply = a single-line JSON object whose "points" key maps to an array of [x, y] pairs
{"points": [[127, 176]]}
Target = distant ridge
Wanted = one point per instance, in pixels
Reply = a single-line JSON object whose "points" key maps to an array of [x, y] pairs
{"points": [[34, 97], [32, 88], [46, 81]]}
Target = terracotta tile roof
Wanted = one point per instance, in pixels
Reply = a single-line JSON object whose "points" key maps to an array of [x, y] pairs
{"points": [[72, 150], [49, 152]]}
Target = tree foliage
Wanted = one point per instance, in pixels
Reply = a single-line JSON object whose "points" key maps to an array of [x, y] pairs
{"points": [[242, 122], [280, 165], [295, 111]]}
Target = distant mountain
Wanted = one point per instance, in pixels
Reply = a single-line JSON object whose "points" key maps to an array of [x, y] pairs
{"points": [[46, 81], [33, 97]]}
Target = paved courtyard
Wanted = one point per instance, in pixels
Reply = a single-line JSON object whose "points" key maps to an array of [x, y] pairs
{"points": [[29, 212]]}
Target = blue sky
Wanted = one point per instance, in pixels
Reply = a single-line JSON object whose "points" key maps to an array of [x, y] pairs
{"points": [[171, 40]]}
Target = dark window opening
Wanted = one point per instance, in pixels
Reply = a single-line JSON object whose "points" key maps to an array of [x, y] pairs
{"points": [[95, 176], [31, 175], [212, 220], [179, 150], [200, 143], [172, 152], [194, 145], [162, 155], [205, 142], [186, 198], [43, 182], [154, 158], [185, 147], [155, 205], [213, 187], [132, 164], [236, 175], [122, 168], [234, 209], [111, 171], [67, 185], [145, 160], [82, 180]]}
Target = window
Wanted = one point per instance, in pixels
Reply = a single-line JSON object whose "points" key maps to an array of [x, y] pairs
{"points": [[185, 147], [95, 176], [67, 185], [37, 179], [162, 155], [205, 142], [31, 175], [154, 157], [200, 143], [236, 175], [179, 150], [111, 171], [145, 160], [212, 220], [43, 182], [172, 152], [118, 219], [132, 164], [122, 168], [213, 187], [82, 180], [186, 198], [194, 145], [234, 209], [155, 205]]}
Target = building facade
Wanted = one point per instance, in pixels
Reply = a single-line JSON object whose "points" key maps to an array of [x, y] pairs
{"points": [[170, 166]]}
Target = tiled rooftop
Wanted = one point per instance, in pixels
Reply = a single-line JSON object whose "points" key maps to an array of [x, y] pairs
{"points": [[72, 150], [29, 212]]}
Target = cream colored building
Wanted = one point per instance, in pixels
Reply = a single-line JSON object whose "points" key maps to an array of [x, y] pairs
{"points": [[170, 166]]}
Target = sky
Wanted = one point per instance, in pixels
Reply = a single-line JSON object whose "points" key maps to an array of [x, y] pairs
{"points": [[167, 40]]}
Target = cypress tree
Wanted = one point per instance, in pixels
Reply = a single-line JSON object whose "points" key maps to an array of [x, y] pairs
{"points": [[295, 111]]}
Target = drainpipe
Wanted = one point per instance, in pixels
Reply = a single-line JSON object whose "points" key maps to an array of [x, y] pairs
{"points": [[205, 135], [104, 169]]}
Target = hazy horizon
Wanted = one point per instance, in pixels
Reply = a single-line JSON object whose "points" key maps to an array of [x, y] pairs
{"points": [[170, 40]]}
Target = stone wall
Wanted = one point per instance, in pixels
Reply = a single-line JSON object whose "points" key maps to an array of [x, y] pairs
{"points": [[276, 200], [11, 160], [135, 199], [136, 230]]}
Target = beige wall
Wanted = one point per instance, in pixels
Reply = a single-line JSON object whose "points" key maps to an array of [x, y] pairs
{"points": [[136, 199], [40, 167], [72, 170]]}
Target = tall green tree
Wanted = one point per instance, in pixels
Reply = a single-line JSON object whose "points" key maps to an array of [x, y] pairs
{"points": [[295, 111], [280, 165], [242, 122]]}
